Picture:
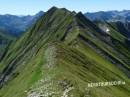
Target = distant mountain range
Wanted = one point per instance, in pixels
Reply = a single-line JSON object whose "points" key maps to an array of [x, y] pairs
{"points": [[120, 20], [110, 16], [13, 24]]}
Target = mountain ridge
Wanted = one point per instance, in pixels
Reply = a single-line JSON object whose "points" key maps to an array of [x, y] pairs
{"points": [[60, 54]]}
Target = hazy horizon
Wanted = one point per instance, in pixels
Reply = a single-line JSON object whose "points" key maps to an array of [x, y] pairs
{"points": [[58, 7], [31, 7]]}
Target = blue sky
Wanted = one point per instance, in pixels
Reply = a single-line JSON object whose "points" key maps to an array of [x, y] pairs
{"points": [[24, 7]]}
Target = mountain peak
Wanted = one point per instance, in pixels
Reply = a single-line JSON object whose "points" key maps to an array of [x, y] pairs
{"points": [[53, 8]]}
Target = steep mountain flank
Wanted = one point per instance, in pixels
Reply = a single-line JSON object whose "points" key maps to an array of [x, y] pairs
{"points": [[60, 55], [123, 28], [5, 40]]}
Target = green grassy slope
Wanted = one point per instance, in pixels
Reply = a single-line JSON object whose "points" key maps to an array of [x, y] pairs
{"points": [[60, 55], [5, 39]]}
